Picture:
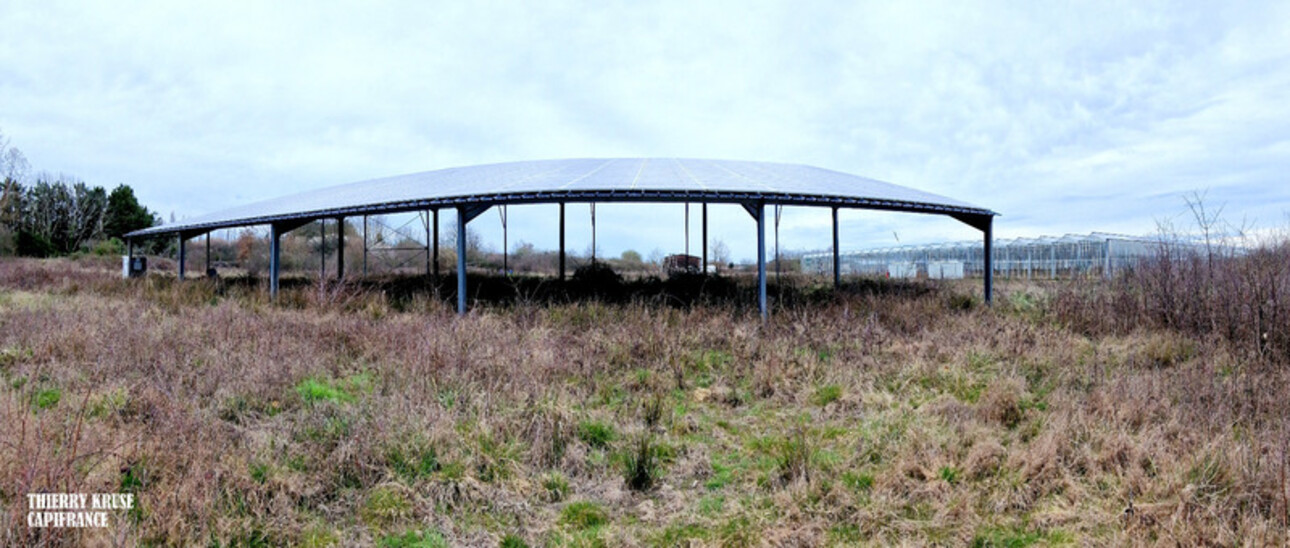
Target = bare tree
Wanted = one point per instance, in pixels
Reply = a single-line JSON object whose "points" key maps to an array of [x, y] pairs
{"points": [[720, 253], [13, 165], [62, 214], [474, 242], [13, 169]]}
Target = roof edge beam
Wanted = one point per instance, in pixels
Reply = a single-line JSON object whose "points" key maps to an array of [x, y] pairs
{"points": [[980, 222], [469, 212], [288, 225]]}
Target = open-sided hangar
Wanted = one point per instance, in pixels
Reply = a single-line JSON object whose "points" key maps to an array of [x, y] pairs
{"points": [[473, 190]]}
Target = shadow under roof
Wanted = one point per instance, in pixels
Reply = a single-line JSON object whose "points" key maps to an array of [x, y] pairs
{"points": [[584, 180]]}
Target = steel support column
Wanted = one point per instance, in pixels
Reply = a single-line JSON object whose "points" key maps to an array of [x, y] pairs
{"points": [[365, 246], [687, 231], [705, 237], [429, 245], [208, 253], [1106, 265], [435, 245], [322, 250], [183, 255], [988, 259], [275, 259], [779, 211], [761, 259], [505, 252], [461, 261], [340, 248], [837, 266], [562, 241]]}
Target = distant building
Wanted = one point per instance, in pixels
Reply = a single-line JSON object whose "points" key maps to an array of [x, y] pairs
{"points": [[682, 264], [1097, 253]]}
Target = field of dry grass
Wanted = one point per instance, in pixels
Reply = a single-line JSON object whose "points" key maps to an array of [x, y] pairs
{"points": [[338, 418]]}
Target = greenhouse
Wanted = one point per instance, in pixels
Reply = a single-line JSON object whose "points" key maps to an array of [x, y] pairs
{"points": [[1066, 256]]}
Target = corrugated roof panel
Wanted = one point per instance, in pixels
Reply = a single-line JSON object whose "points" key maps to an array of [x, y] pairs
{"points": [[660, 179]]}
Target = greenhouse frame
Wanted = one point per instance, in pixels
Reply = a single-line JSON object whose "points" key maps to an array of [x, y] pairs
{"points": [[1097, 253]]}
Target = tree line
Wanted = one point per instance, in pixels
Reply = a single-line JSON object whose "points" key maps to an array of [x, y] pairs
{"points": [[60, 215]]}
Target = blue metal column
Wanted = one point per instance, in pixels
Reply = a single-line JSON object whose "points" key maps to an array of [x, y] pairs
{"points": [[322, 250], [837, 267], [761, 259], [705, 237], [275, 262], [562, 241], [435, 245], [340, 248], [183, 255], [989, 259], [687, 230], [461, 261], [506, 268]]}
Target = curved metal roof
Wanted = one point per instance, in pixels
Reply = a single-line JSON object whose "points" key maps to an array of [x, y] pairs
{"points": [[584, 180]]}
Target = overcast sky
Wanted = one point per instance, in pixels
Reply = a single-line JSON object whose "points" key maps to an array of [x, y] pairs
{"points": [[1063, 118]]}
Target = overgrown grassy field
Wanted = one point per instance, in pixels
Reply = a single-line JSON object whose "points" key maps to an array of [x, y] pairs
{"points": [[907, 415]]}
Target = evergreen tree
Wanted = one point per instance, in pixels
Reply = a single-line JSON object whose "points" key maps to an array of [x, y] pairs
{"points": [[124, 214]]}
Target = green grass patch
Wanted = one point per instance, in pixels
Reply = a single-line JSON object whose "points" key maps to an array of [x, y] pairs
{"points": [[584, 515], [259, 472], [737, 531], [318, 536], [1006, 537], [453, 470], [495, 458], [46, 398], [712, 505], [512, 541], [385, 506], [412, 461], [680, 535], [857, 481], [598, 435], [315, 390], [714, 359], [10, 355], [721, 476], [846, 534], [330, 429], [136, 477], [556, 486], [425, 538], [790, 455], [108, 403], [726, 469], [826, 394], [642, 464]]}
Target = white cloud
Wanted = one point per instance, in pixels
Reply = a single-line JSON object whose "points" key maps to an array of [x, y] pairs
{"points": [[1064, 118]]}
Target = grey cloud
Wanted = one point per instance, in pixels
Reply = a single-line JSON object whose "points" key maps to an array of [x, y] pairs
{"points": [[1065, 118]]}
